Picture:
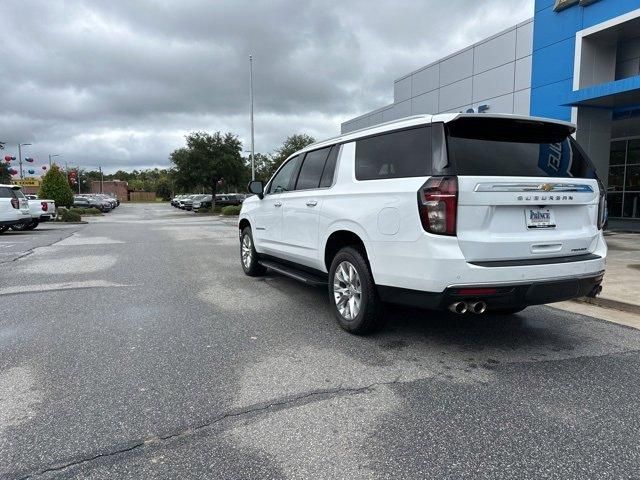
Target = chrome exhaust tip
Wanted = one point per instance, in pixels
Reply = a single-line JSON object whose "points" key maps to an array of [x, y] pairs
{"points": [[478, 307], [458, 307]]}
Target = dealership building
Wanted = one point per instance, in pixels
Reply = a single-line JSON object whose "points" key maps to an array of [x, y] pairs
{"points": [[575, 60]]}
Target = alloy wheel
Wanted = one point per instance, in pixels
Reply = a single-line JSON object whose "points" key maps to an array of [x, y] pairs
{"points": [[246, 251], [347, 290]]}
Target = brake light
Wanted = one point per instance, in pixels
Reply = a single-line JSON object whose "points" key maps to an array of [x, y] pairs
{"points": [[602, 206], [45, 206], [438, 205], [15, 203]]}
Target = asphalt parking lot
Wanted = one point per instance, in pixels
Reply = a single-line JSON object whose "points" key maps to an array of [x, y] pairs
{"points": [[135, 347]]}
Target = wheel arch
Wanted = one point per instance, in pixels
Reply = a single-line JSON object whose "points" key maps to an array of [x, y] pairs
{"points": [[243, 223], [340, 238]]}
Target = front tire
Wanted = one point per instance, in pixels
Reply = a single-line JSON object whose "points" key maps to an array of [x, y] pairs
{"points": [[249, 256], [3, 228], [352, 293], [33, 225]]}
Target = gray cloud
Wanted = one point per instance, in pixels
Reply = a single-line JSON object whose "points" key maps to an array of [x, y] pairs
{"points": [[120, 83]]}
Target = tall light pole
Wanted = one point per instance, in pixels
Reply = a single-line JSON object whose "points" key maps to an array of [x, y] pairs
{"points": [[253, 167], [20, 145], [51, 156]]}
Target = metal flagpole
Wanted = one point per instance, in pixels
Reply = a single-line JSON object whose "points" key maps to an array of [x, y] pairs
{"points": [[253, 166], [20, 159]]}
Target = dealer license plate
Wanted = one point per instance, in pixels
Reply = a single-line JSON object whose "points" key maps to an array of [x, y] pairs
{"points": [[539, 218]]}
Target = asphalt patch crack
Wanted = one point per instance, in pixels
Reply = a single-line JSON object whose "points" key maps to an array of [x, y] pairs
{"points": [[33, 249], [255, 409]]}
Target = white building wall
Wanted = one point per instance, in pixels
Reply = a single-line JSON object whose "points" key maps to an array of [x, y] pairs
{"points": [[495, 72]]}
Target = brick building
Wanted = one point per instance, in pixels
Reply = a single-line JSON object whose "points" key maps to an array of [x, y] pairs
{"points": [[118, 188]]}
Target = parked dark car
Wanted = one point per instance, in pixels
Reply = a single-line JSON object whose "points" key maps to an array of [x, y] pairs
{"points": [[204, 202], [226, 199], [81, 202], [188, 202]]}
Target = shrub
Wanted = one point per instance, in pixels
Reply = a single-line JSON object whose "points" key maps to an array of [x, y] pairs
{"points": [[231, 210], [86, 211], [218, 209], [55, 186], [66, 215]]}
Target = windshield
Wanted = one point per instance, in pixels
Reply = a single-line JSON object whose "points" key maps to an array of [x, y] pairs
{"points": [[521, 148]]}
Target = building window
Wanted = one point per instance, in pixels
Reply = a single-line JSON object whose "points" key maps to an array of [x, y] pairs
{"points": [[623, 190]]}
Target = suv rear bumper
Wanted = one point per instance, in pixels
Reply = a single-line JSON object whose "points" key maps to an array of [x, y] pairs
{"points": [[513, 295]]}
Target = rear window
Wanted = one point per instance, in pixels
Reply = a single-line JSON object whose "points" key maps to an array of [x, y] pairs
{"points": [[6, 192], [404, 153], [520, 148]]}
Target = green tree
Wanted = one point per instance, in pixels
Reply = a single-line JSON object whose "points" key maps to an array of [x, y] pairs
{"points": [[163, 189], [209, 161], [292, 144], [5, 176], [55, 186], [264, 165]]}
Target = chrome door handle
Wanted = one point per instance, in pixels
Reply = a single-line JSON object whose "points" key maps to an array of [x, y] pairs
{"points": [[277, 204], [312, 203]]}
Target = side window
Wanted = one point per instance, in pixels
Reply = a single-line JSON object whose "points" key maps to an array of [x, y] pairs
{"points": [[6, 192], [330, 168], [405, 153], [282, 182], [311, 170]]}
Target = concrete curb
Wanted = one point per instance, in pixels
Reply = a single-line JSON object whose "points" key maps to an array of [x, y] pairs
{"points": [[609, 303]]}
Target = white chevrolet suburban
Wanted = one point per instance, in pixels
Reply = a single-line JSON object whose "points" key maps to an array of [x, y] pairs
{"points": [[14, 208], [466, 212]]}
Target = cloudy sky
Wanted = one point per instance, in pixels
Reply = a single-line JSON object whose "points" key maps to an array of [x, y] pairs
{"points": [[119, 83]]}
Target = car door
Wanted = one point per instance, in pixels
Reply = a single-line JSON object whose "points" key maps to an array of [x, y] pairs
{"points": [[301, 207], [267, 216]]}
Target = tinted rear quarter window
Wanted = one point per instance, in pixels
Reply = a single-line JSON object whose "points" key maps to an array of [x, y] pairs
{"points": [[403, 153], [6, 192], [329, 168], [521, 148], [311, 170]]}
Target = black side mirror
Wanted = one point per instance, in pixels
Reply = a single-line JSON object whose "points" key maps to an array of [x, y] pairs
{"points": [[256, 187]]}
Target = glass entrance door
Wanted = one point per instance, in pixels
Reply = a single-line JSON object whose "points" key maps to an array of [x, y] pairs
{"points": [[623, 190]]}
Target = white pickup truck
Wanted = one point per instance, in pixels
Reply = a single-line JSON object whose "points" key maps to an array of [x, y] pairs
{"points": [[40, 211]]}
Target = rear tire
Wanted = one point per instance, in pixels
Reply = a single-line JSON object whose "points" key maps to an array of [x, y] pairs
{"points": [[352, 293], [506, 311], [20, 227], [33, 225], [248, 255], [3, 228]]}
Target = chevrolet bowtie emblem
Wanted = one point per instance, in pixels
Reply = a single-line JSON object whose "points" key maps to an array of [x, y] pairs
{"points": [[547, 187]]}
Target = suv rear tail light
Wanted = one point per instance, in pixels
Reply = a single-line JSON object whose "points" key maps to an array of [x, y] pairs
{"points": [[602, 206], [15, 203], [438, 205], [45, 206]]}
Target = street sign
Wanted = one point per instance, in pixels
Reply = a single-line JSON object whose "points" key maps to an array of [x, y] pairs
{"points": [[27, 182]]}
